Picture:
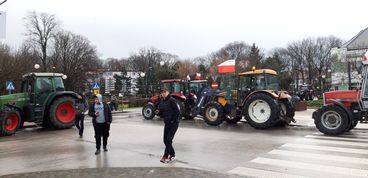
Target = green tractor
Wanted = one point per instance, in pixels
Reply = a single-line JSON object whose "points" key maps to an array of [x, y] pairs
{"points": [[43, 100]]}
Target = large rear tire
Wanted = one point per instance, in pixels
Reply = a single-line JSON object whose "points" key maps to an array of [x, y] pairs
{"points": [[62, 112], [331, 120], [10, 122], [353, 125], [261, 111], [287, 113], [213, 114], [148, 112]]}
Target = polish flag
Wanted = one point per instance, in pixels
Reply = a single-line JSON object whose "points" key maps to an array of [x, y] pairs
{"points": [[197, 76], [226, 67]]}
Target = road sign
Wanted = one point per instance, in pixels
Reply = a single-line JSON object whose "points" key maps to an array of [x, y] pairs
{"points": [[96, 92], [96, 86], [10, 86]]}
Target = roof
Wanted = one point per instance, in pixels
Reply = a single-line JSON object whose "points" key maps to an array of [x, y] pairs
{"points": [[359, 41], [259, 71], [198, 81], [172, 80], [43, 74]]}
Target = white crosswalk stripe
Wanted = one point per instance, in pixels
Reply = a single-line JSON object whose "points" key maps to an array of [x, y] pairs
{"points": [[315, 155]]}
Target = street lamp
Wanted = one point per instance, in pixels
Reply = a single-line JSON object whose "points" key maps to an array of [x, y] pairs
{"points": [[145, 83], [37, 66], [323, 82]]}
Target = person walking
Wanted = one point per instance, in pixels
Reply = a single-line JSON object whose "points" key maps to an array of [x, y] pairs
{"points": [[114, 103], [81, 106], [169, 110], [101, 119]]}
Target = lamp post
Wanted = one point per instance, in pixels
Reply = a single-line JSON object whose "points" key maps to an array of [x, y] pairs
{"points": [[323, 83], [145, 84]]}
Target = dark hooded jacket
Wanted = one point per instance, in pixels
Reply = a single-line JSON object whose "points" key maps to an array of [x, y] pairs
{"points": [[169, 110]]}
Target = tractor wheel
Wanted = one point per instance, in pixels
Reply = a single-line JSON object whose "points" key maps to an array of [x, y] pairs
{"points": [[287, 113], [10, 122], [148, 111], [353, 125], [232, 119], [261, 111], [213, 114], [331, 120], [181, 108], [62, 113]]}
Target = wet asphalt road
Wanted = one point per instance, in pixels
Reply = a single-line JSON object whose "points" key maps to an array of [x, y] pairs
{"points": [[135, 142]]}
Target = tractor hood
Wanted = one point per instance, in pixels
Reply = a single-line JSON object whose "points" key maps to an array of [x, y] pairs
{"points": [[19, 100]]}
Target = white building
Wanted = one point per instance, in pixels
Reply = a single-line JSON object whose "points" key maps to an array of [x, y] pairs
{"points": [[110, 81]]}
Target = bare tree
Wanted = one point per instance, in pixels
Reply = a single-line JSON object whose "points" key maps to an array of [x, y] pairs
{"points": [[73, 55], [41, 29], [312, 57]]}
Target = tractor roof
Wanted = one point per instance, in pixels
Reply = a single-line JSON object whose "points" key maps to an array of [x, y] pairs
{"points": [[172, 80], [43, 75], [198, 81], [259, 71]]}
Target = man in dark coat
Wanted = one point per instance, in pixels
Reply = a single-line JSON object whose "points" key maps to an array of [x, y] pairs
{"points": [[101, 119], [169, 110], [81, 106]]}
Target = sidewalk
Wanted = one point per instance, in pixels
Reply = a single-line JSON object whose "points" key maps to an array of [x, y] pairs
{"points": [[131, 172]]}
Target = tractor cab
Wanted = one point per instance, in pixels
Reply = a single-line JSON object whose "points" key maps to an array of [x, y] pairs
{"points": [[197, 86], [177, 87], [40, 85], [260, 79]]}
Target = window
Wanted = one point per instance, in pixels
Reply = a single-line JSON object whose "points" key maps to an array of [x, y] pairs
{"points": [[59, 86], [43, 84]]}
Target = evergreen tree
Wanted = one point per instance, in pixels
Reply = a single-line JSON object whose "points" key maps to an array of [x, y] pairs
{"points": [[254, 57]]}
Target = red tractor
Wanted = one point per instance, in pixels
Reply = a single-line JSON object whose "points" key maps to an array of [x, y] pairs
{"points": [[185, 92], [177, 88], [343, 110]]}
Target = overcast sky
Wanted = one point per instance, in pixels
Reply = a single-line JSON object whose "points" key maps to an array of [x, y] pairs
{"points": [[192, 28]]}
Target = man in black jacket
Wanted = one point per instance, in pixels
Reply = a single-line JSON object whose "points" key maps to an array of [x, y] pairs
{"points": [[82, 106], [101, 119], [169, 110]]}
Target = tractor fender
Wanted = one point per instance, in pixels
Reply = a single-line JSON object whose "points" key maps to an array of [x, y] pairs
{"points": [[338, 104], [60, 94], [268, 92], [150, 103], [14, 107]]}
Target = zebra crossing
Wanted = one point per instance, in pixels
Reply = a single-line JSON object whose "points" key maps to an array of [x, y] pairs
{"points": [[315, 155]]}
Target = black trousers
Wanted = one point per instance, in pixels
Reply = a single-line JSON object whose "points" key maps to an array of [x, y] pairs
{"points": [[113, 106], [101, 131], [79, 123], [169, 133]]}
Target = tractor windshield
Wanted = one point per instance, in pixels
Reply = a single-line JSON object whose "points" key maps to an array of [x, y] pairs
{"points": [[174, 87], [259, 82], [272, 82], [59, 85], [43, 84], [197, 87]]}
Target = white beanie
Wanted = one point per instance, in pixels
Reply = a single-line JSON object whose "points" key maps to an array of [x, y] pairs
{"points": [[99, 97]]}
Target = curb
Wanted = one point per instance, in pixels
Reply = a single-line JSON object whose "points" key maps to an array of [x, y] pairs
{"points": [[134, 172]]}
